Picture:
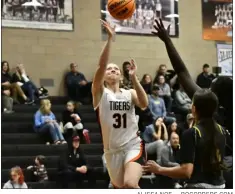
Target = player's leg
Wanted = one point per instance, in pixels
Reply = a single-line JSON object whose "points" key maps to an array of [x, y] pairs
{"points": [[114, 164], [132, 175], [134, 159]]}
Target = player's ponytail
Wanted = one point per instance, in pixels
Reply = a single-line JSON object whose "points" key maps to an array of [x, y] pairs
{"points": [[206, 104]]}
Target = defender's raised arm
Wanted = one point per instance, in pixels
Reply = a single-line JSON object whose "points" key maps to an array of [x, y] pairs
{"points": [[180, 68]]}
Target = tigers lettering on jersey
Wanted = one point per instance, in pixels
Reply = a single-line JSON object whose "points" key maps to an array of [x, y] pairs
{"points": [[117, 118], [120, 105]]}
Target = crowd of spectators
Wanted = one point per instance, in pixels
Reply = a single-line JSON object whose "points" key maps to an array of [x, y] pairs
{"points": [[17, 87], [161, 124]]}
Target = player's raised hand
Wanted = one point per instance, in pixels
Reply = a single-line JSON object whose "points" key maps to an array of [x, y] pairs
{"points": [[160, 30], [132, 68], [110, 30]]}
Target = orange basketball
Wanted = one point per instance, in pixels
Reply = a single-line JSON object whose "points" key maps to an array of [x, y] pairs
{"points": [[121, 9]]}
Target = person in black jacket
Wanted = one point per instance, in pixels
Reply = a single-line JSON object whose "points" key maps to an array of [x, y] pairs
{"points": [[147, 83], [78, 87], [73, 168], [6, 84], [204, 79], [21, 78], [72, 121]]}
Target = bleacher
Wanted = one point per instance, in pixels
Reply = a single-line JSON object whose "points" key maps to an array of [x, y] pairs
{"points": [[20, 145]]}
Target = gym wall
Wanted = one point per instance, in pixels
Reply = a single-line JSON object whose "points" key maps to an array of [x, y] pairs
{"points": [[47, 54]]}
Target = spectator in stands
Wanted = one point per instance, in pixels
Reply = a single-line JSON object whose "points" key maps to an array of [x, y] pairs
{"points": [[21, 78], [183, 102], [78, 87], [7, 102], [162, 70], [74, 168], [155, 136], [189, 121], [13, 87], [204, 79], [147, 83], [72, 121], [145, 118], [170, 157], [157, 106], [45, 121], [39, 169], [165, 92], [17, 179], [126, 82], [169, 75], [173, 128]]}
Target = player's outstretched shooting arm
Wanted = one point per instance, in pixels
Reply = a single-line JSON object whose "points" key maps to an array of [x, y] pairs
{"points": [[139, 96], [98, 81]]}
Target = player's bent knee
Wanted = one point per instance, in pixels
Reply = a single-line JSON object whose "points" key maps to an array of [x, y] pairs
{"points": [[130, 184]]}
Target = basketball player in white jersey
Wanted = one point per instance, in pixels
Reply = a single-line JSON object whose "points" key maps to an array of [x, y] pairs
{"points": [[139, 17], [216, 10], [123, 149], [132, 20], [149, 18], [158, 9], [145, 11]]}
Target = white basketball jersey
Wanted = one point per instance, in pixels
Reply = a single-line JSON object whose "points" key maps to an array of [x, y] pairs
{"points": [[118, 122]]}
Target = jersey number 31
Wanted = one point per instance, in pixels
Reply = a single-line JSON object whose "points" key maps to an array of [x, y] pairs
{"points": [[120, 120]]}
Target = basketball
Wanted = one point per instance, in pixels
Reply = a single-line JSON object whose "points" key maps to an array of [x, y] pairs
{"points": [[121, 9]]}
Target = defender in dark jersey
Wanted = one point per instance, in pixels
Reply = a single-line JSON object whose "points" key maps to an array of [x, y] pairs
{"points": [[202, 147]]}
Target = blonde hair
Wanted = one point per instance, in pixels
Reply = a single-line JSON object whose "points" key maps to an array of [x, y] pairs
{"points": [[44, 106], [18, 73]]}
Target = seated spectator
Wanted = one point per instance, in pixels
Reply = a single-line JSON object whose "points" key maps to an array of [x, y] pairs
{"points": [[21, 78], [169, 75], [72, 121], [165, 92], [205, 79], [157, 106], [45, 121], [145, 118], [74, 167], [13, 87], [146, 83], [170, 157], [78, 87], [38, 169], [126, 82], [183, 102], [189, 121], [7, 102], [173, 128], [154, 136], [16, 180]]}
